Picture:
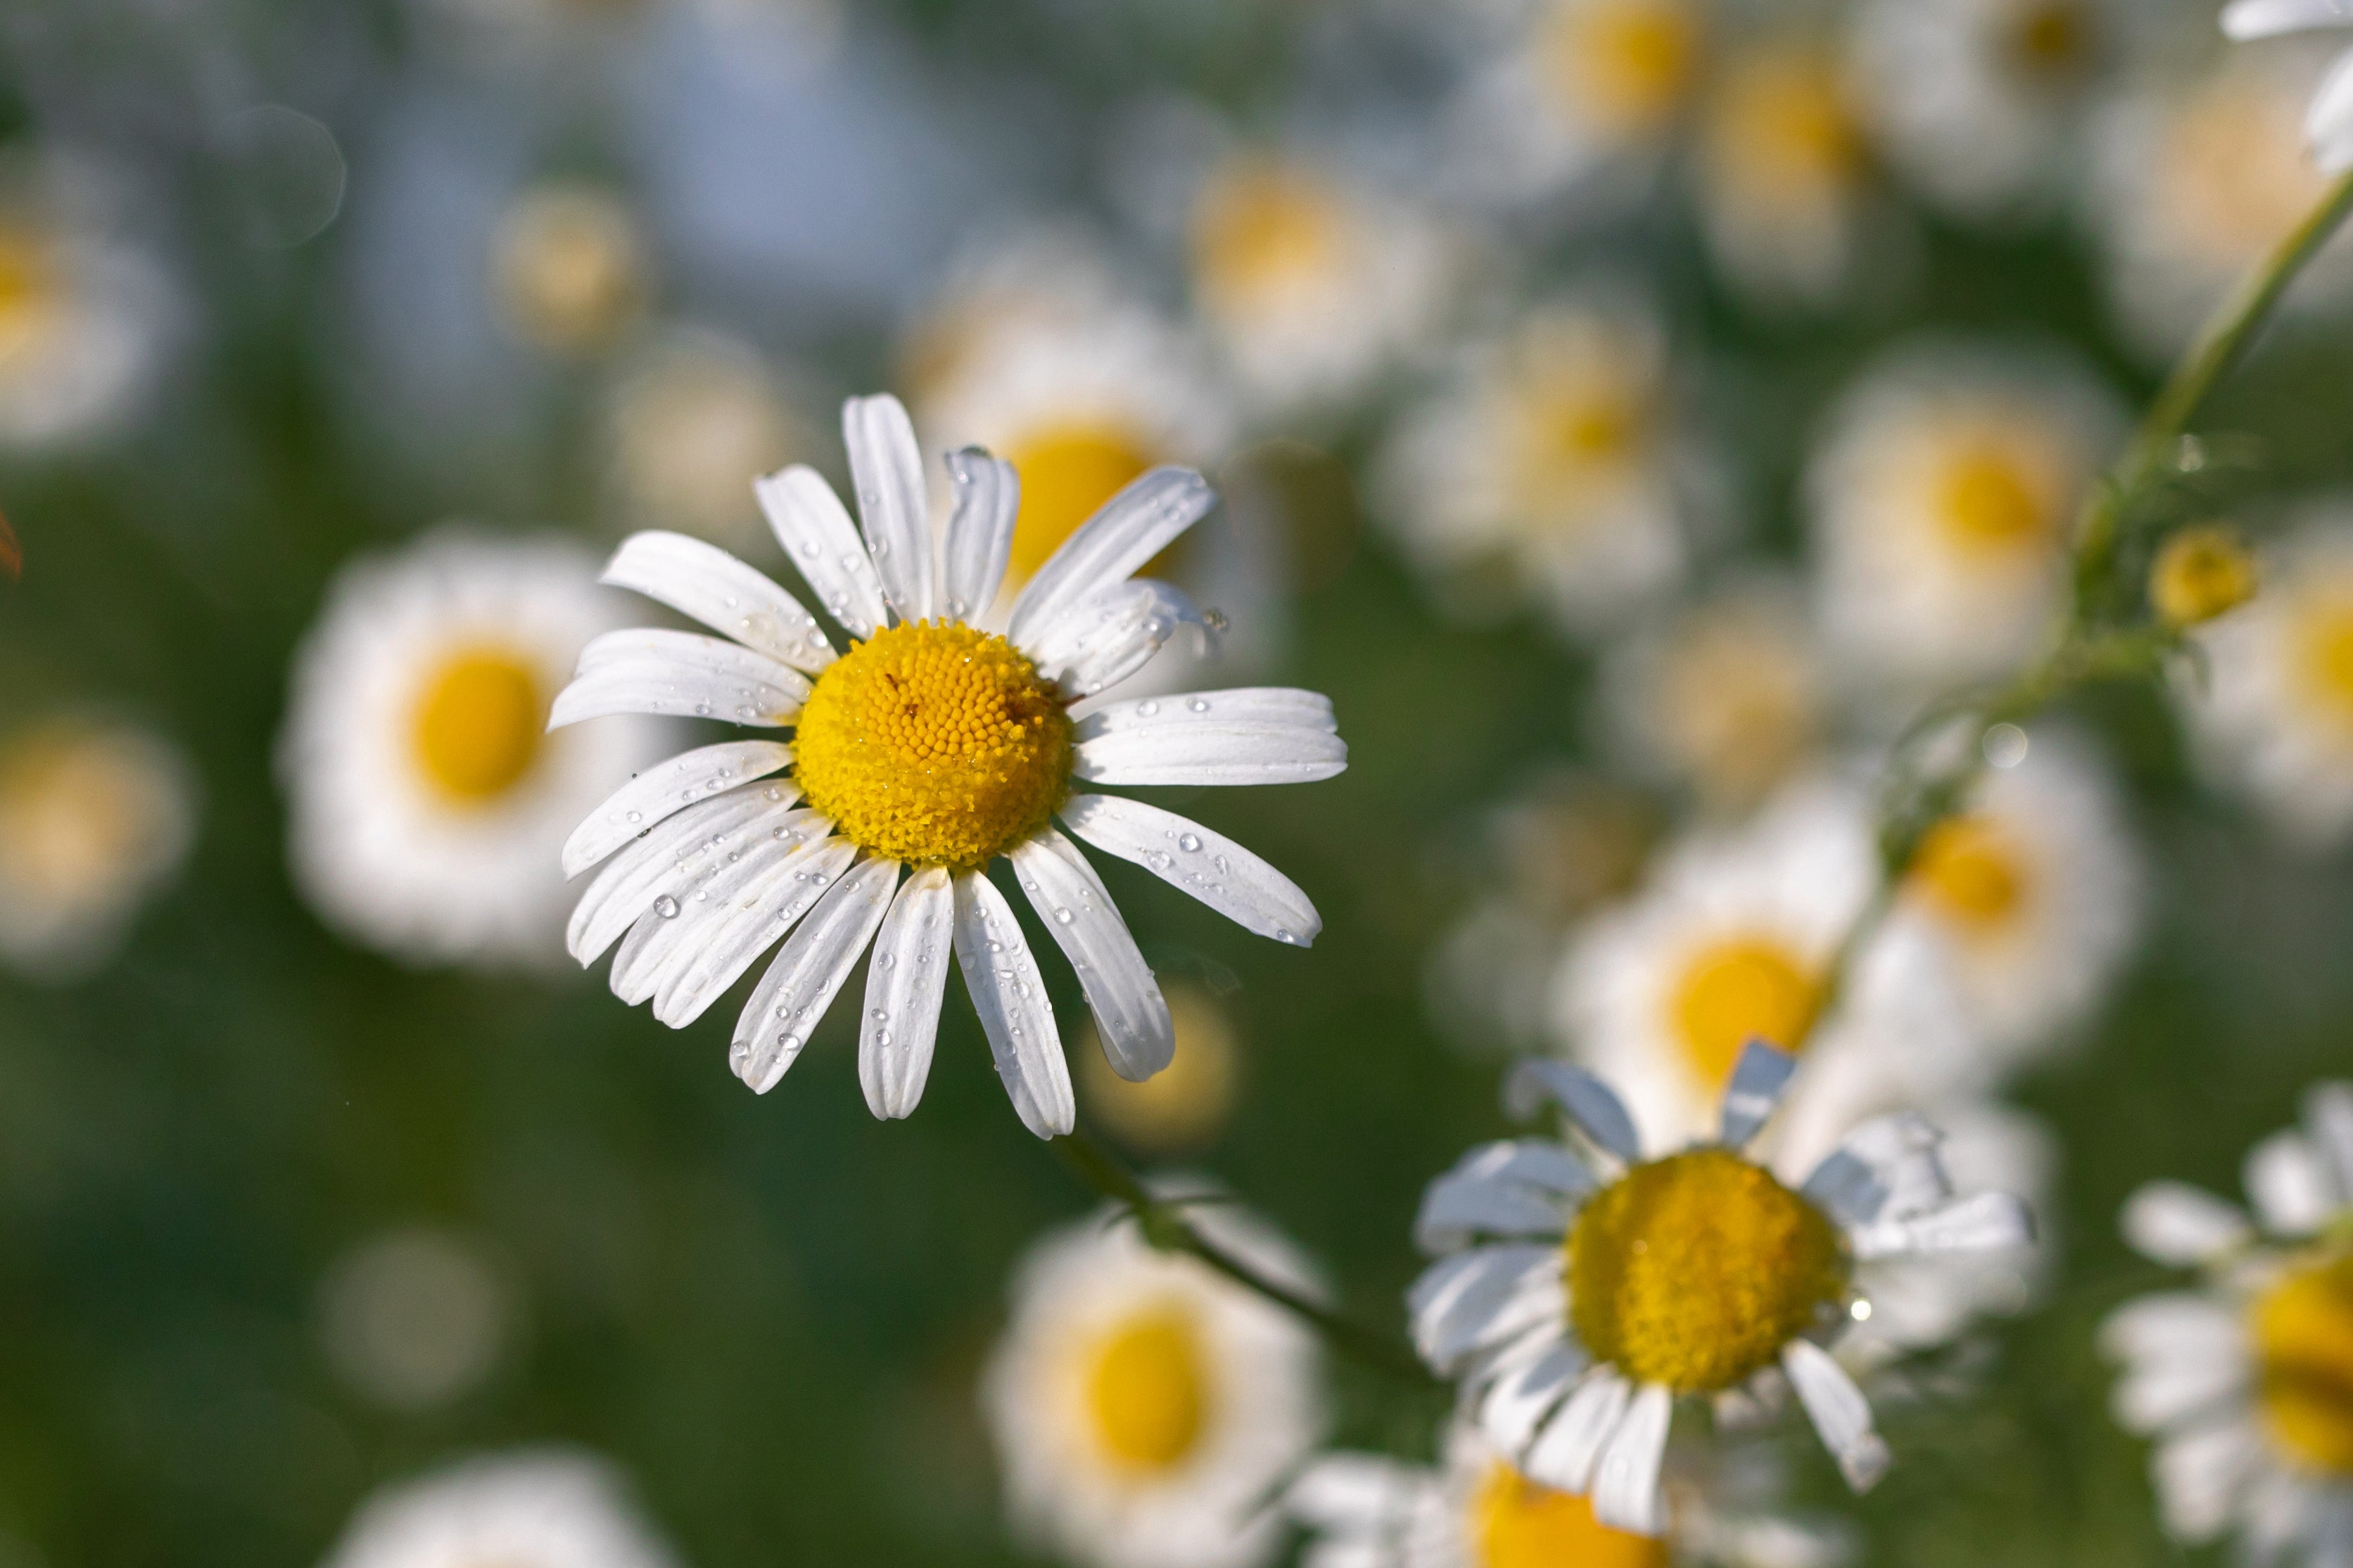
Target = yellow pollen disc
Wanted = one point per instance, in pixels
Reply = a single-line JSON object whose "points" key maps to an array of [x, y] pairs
{"points": [[1988, 503], [2053, 40], [1516, 1524], [1693, 1271], [1627, 64], [1749, 987], [479, 724], [1261, 231], [28, 288], [2201, 573], [1147, 1391], [2321, 654], [933, 744], [1783, 130], [2302, 1330], [1969, 869], [1576, 428], [1067, 472]]}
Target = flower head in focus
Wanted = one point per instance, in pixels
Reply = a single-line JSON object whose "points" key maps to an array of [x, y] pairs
{"points": [[530, 1510], [1582, 1289], [932, 746], [1143, 1406], [2246, 1381]]}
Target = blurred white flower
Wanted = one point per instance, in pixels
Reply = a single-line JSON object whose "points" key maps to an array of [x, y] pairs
{"points": [[95, 817], [428, 803], [528, 1509], [691, 416], [568, 267], [416, 1318], [2243, 1380], [2328, 123], [1145, 1408], [1785, 179], [1940, 494]]}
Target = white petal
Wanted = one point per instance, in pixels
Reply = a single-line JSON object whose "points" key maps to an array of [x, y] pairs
{"points": [[1590, 1103], [2289, 1186], [753, 898], [2177, 1224], [668, 788], [801, 985], [1565, 1454], [760, 917], [2159, 1392], [904, 988], [1516, 1404], [1284, 706], [1978, 1224], [1353, 1492], [981, 531], [1190, 857], [1133, 527], [887, 466], [672, 855], [1500, 1189], [2329, 123], [1755, 1090], [683, 675], [2247, 19], [1138, 1037], [2201, 1473], [1626, 1482], [1213, 754], [1010, 998], [2186, 1325], [735, 600], [1886, 1168], [1840, 1413], [2328, 1120], [1112, 636], [823, 546], [1458, 1304]]}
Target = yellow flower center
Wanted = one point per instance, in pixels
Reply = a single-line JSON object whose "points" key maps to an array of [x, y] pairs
{"points": [[1693, 1271], [1968, 869], [1260, 231], [1147, 1391], [1748, 987], [1626, 64], [568, 267], [478, 725], [935, 744], [1784, 132], [28, 288], [73, 818], [1067, 472], [2304, 1343], [2322, 655], [2052, 40], [1577, 428], [2201, 573], [1516, 1524], [1989, 504]]}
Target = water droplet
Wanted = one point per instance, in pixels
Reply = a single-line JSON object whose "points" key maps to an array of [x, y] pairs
{"points": [[1190, 843], [789, 1041], [775, 792], [637, 816], [747, 712], [882, 548], [1147, 710], [703, 709], [666, 907], [997, 947], [1282, 935], [1062, 916], [886, 961], [882, 1036], [1200, 705]]}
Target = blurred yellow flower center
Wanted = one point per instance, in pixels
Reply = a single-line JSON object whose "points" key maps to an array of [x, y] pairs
{"points": [[1986, 501], [1186, 1104], [1693, 1271], [72, 819], [1264, 231], [2303, 1345], [2322, 654], [1969, 869], [28, 288], [2201, 573], [478, 725], [1578, 430], [1147, 1391], [2053, 39], [935, 744], [1784, 131], [1748, 987], [1737, 704], [1516, 1524], [568, 267], [1627, 64], [1067, 472]]}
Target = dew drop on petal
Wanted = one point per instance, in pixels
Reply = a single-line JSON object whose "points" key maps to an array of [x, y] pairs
{"points": [[666, 907]]}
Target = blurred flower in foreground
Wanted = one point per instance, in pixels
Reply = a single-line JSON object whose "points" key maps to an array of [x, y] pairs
{"points": [[1554, 455], [567, 268], [412, 1318], [932, 746], [95, 817], [1145, 1407], [2197, 182], [1579, 1295], [530, 1510], [2329, 123], [1983, 104], [2272, 715], [1785, 176], [1183, 1107], [688, 418], [2202, 572], [2246, 1381], [428, 803], [1941, 494]]}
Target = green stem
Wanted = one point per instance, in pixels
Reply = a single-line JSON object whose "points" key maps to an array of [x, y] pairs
{"points": [[1166, 1227]]}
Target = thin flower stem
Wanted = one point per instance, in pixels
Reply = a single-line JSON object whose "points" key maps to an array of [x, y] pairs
{"points": [[1166, 1227]]}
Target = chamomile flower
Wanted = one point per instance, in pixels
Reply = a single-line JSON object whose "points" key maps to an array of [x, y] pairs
{"points": [[95, 817], [1144, 1408], [428, 803], [1941, 493], [2329, 123], [2243, 1380], [1785, 177], [932, 746], [1554, 455], [1579, 1295], [1984, 105], [688, 417], [2031, 893], [549, 1509], [568, 267], [2272, 718]]}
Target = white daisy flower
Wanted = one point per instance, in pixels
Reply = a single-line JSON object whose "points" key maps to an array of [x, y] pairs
{"points": [[2272, 717], [1983, 104], [96, 816], [528, 1510], [2246, 1381], [1554, 453], [688, 417], [1785, 177], [1145, 1407], [1579, 1295], [2197, 183], [569, 272], [933, 745], [427, 801], [1940, 495], [2033, 894], [2329, 123]]}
